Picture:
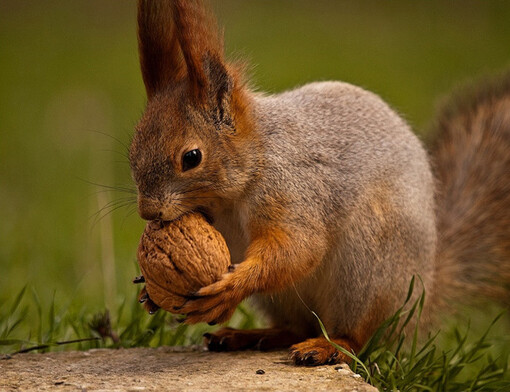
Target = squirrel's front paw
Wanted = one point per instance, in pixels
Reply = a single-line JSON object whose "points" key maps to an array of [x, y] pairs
{"points": [[215, 303], [144, 299]]}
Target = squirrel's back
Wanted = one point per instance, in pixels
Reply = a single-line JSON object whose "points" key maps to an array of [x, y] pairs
{"points": [[341, 135]]}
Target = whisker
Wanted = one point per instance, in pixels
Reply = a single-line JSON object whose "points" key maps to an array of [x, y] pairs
{"points": [[100, 217], [131, 211], [120, 188], [123, 154], [109, 190], [191, 198], [128, 213], [126, 147], [177, 204], [182, 211], [129, 200], [212, 187], [196, 189], [111, 206]]}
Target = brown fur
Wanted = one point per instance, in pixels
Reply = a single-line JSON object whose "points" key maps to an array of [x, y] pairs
{"points": [[197, 33], [471, 157], [160, 53], [230, 339], [318, 351], [323, 194]]}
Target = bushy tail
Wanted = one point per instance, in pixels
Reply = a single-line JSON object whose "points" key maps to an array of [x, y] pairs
{"points": [[471, 155]]}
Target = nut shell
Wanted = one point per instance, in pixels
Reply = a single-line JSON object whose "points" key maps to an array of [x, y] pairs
{"points": [[180, 257]]}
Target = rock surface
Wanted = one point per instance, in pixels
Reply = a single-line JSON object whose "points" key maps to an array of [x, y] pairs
{"points": [[170, 369]]}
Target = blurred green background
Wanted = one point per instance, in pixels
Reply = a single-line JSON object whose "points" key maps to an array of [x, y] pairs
{"points": [[71, 93]]}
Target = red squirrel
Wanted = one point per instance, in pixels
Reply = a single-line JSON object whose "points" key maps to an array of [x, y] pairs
{"points": [[325, 197]]}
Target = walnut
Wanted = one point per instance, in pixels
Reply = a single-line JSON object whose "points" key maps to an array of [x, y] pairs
{"points": [[178, 258]]}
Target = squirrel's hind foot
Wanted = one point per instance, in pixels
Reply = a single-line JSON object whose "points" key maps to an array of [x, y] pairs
{"points": [[318, 351], [230, 339]]}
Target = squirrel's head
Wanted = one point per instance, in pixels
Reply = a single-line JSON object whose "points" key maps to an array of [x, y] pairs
{"points": [[190, 148]]}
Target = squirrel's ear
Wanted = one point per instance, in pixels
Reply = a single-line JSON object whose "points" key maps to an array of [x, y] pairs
{"points": [[161, 57], [220, 87], [201, 44]]}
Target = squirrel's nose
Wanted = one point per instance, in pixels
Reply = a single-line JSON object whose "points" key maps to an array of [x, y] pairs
{"points": [[149, 209]]}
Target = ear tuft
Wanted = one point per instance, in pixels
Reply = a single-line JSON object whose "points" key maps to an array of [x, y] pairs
{"points": [[220, 87]]}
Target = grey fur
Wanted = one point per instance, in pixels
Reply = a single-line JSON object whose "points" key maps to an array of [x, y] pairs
{"points": [[331, 151]]}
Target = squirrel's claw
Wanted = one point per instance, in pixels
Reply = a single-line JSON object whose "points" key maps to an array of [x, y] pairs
{"points": [[192, 296], [139, 279], [151, 307], [144, 299]]}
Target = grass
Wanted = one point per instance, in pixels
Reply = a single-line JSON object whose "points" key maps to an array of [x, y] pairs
{"points": [[27, 326], [456, 359], [392, 360]]}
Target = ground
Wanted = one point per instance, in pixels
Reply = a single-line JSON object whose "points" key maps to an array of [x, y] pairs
{"points": [[170, 369]]}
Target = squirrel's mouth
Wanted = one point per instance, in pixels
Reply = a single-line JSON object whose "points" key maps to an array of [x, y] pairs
{"points": [[206, 213]]}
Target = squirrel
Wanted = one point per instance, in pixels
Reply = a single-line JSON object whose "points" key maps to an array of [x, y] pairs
{"points": [[326, 198]]}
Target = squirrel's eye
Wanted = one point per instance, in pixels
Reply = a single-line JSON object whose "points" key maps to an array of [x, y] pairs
{"points": [[191, 159]]}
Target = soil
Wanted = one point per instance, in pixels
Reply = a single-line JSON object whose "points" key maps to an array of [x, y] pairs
{"points": [[170, 369]]}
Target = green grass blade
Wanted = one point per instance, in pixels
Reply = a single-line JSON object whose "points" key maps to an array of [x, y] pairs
{"points": [[341, 349]]}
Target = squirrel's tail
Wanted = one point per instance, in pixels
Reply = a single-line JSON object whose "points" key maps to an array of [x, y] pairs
{"points": [[471, 158]]}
